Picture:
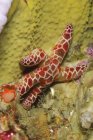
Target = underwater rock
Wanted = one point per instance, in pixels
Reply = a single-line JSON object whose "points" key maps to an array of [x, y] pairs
{"points": [[34, 123], [86, 113], [86, 101]]}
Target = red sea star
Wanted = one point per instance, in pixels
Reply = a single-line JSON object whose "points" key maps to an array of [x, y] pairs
{"points": [[49, 69]]}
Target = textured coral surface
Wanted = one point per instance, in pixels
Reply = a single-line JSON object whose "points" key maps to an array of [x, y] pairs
{"points": [[40, 26], [39, 23]]}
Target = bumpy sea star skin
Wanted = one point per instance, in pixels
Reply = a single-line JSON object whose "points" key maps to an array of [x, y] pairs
{"points": [[49, 70]]}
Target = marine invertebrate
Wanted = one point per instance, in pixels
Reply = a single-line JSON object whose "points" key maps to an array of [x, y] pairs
{"points": [[8, 93], [4, 8], [48, 72]]}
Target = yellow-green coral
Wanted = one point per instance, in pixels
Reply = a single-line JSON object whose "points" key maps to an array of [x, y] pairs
{"points": [[39, 23], [39, 26]]}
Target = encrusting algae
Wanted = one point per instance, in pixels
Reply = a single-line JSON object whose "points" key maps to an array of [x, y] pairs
{"points": [[37, 24]]}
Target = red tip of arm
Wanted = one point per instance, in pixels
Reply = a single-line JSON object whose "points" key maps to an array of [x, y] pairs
{"points": [[68, 32]]}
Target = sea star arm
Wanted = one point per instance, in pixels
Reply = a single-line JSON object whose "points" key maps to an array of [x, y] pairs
{"points": [[46, 78], [26, 83], [62, 46], [60, 49], [67, 74], [34, 58], [42, 75], [32, 97]]}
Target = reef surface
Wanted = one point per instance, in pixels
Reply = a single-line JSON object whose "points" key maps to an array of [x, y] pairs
{"points": [[38, 23]]}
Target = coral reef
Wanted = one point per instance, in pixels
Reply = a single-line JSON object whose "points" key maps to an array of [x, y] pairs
{"points": [[38, 23], [42, 25], [9, 127]]}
